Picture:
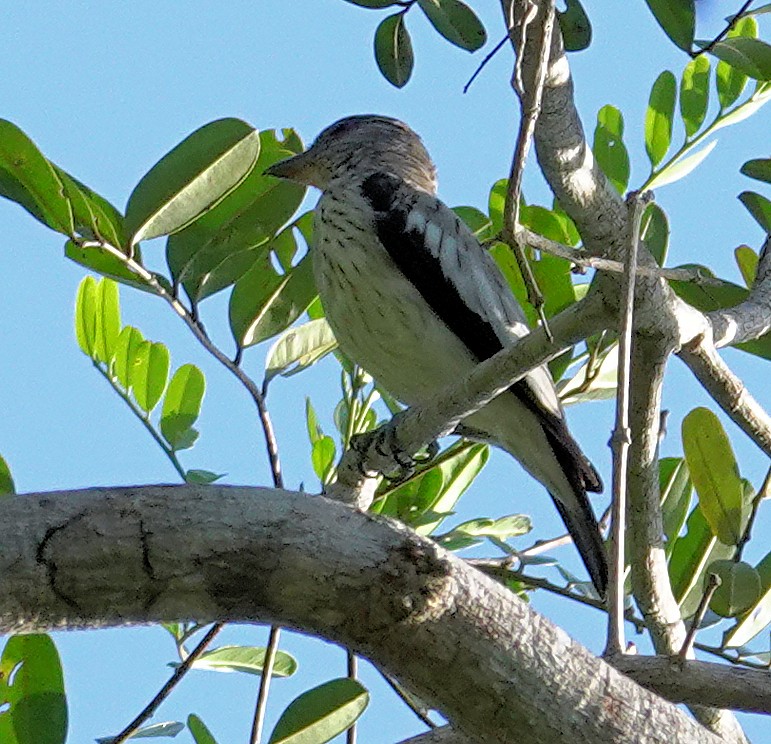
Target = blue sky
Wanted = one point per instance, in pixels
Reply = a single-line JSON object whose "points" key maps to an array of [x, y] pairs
{"points": [[105, 89]]}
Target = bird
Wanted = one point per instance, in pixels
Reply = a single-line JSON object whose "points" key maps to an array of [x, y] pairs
{"points": [[414, 299]]}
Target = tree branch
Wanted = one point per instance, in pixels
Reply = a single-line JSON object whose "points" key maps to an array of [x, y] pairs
{"points": [[106, 557]]}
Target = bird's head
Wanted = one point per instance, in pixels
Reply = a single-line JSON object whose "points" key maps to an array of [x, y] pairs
{"points": [[356, 147]]}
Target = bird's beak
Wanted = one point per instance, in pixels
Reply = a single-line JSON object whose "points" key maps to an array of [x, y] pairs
{"points": [[298, 168]]}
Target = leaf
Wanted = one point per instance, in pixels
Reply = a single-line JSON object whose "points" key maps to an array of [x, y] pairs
{"points": [[747, 261], [609, 148], [202, 477], [85, 315], [194, 176], [182, 405], [602, 385], [759, 207], [677, 18], [323, 453], [694, 94], [456, 22], [750, 56], [7, 486], [246, 659], [512, 526], [320, 714], [715, 474], [759, 168], [32, 692], [689, 558], [760, 97], [149, 374], [681, 167], [166, 729], [393, 50], [477, 221], [739, 587], [575, 26], [27, 178], [108, 323], [659, 117], [757, 617], [372, 3], [201, 734], [298, 348], [224, 243], [654, 231], [101, 261], [676, 488], [729, 79], [126, 347], [264, 303]]}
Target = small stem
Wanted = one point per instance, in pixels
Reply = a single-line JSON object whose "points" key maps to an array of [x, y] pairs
{"points": [[353, 673], [622, 436], [713, 582], [764, 492], [736, 18], [164, 692], [420, 711], [262, 695]]}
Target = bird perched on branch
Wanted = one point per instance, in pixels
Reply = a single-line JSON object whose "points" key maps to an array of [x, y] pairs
{"points": [[415, 300]]}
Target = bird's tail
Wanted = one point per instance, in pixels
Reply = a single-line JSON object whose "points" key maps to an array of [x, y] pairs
{"points": [[585, 531]]}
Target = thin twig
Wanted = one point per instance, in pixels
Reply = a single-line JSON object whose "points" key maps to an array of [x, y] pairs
{"points": [[713, 582], [267, 673], [172, 682], [734, 20], [484, 62], [353, 673], [622, 436], [530, 104], [763, 493], [420, 711]]}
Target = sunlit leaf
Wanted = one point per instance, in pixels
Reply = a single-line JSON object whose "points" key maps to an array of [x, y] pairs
{"points": [[747, 261], [750, 56], [393, 50], [247, 659], [199, 731], [108, 324], [298, 348], [601, 385], [659, 117], [681, 167], [654, 231], [149, 374], [320, 714], [609, 148], [7, 486], [694, 94], [163, 730], [676, 489], [190, 179], [85, 315], [731, 80], [715, 474], [202, 477], [323, 453], [182, 405], [126, 347]]}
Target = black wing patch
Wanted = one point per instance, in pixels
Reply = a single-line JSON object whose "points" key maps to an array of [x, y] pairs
{"points": [[409, 253]]}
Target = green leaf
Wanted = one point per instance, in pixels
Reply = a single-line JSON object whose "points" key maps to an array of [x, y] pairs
{"points": [[85, 315], [323, 457], [757, 617], [477, 221], [246, 659], [108, 323], [659, 117], [149, 374], [609, 148], [759, 168], [190, 179], [201, 734], [496, 203], [729, 79], [372, 3], [681, 167], [739, 587], [654, 231], [298, 348], [601, 386], [202, 477], [224, 243], [715, 474], [32, 688], [694, 94], [677, 18], [676, 489], [164, 730], [320, 714], [7, 486], [760, 97], [689, 558], [456, 22], [27, 178], [393, 50], [101, 261], [513, 525], [759, 207], [182, 405], [752, 57], [575, 26], [315, 431], [264, 303], [747, 261], [126, 347]]}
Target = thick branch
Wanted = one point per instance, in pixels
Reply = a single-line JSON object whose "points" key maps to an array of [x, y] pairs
{"points": [[134, 555]]}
